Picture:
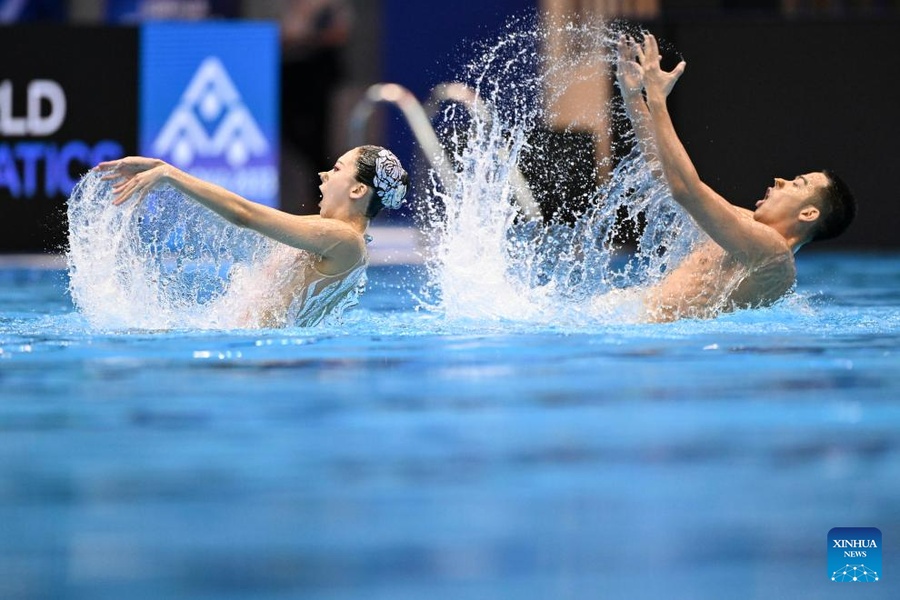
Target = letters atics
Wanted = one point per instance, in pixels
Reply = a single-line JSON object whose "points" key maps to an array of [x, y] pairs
{"points": [[22, 162]]}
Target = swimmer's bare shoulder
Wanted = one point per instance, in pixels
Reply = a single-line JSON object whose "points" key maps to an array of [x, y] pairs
{"points": [[767, 283], [345, 246], [711, 280], [771, 274]]}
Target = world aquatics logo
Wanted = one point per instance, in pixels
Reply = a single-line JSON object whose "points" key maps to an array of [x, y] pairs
{"points": [[211, 121]]}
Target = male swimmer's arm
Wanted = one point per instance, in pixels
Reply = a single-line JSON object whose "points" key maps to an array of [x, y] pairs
{"points": [[334, 241], [743, 238]]}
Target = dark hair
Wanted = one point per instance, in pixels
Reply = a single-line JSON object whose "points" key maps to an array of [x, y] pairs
{"points": [[838, 207], [366, 158]]}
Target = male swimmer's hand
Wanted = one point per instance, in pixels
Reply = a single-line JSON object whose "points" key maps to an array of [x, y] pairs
{"points": [[136, 176], [628, 71], [657, 83]]}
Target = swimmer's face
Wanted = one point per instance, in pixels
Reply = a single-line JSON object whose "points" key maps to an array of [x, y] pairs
{"points": [[787, 198], [339, 184]]}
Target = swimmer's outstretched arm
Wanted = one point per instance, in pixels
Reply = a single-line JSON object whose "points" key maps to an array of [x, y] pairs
{"points": [[631, 86], [748, 241], [333, 240]]}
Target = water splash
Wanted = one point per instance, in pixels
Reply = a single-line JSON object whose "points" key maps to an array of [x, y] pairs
{"points": [[169, 263], [596, 250]]}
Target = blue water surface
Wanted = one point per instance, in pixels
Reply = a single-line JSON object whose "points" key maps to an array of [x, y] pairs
{"points": [[402, 455]]}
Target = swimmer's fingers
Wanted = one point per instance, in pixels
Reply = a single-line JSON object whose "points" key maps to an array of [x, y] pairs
{"points": [[628, 72], [109, 168], [129, 188], [650, 51], [629, 49], [638, 52], [664, 81], [121, 195], [137, 194], [107, 165], [113, 170], [673, 76], [111, 177], [129, 164], [624, 47]]}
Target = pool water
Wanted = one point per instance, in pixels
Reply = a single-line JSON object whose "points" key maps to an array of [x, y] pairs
{"points": [[409, 455]]}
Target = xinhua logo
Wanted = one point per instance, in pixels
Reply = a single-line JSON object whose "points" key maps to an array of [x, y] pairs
{"points": [[211, 120], [854, 554]]}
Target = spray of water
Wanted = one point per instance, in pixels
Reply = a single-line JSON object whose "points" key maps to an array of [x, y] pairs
{"points": [[595, 251], [168, 263]]}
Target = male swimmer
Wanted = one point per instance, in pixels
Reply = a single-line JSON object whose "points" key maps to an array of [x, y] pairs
{"points": [[749, 258]]}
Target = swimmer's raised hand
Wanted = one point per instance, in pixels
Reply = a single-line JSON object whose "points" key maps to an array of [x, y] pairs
{"points": [[628, 70], [136, 176], [657, 83]]}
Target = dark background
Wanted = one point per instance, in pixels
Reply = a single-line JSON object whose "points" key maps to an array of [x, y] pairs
{"points": [[763, 95], [97, 69], [766, 98]]}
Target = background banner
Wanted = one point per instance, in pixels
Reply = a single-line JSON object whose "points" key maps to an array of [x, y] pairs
{"points": [[203, 96], [68, 99], [209, 102]]}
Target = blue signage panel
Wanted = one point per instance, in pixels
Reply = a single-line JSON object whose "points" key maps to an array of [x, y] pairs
{"points": [[209, 102]]}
